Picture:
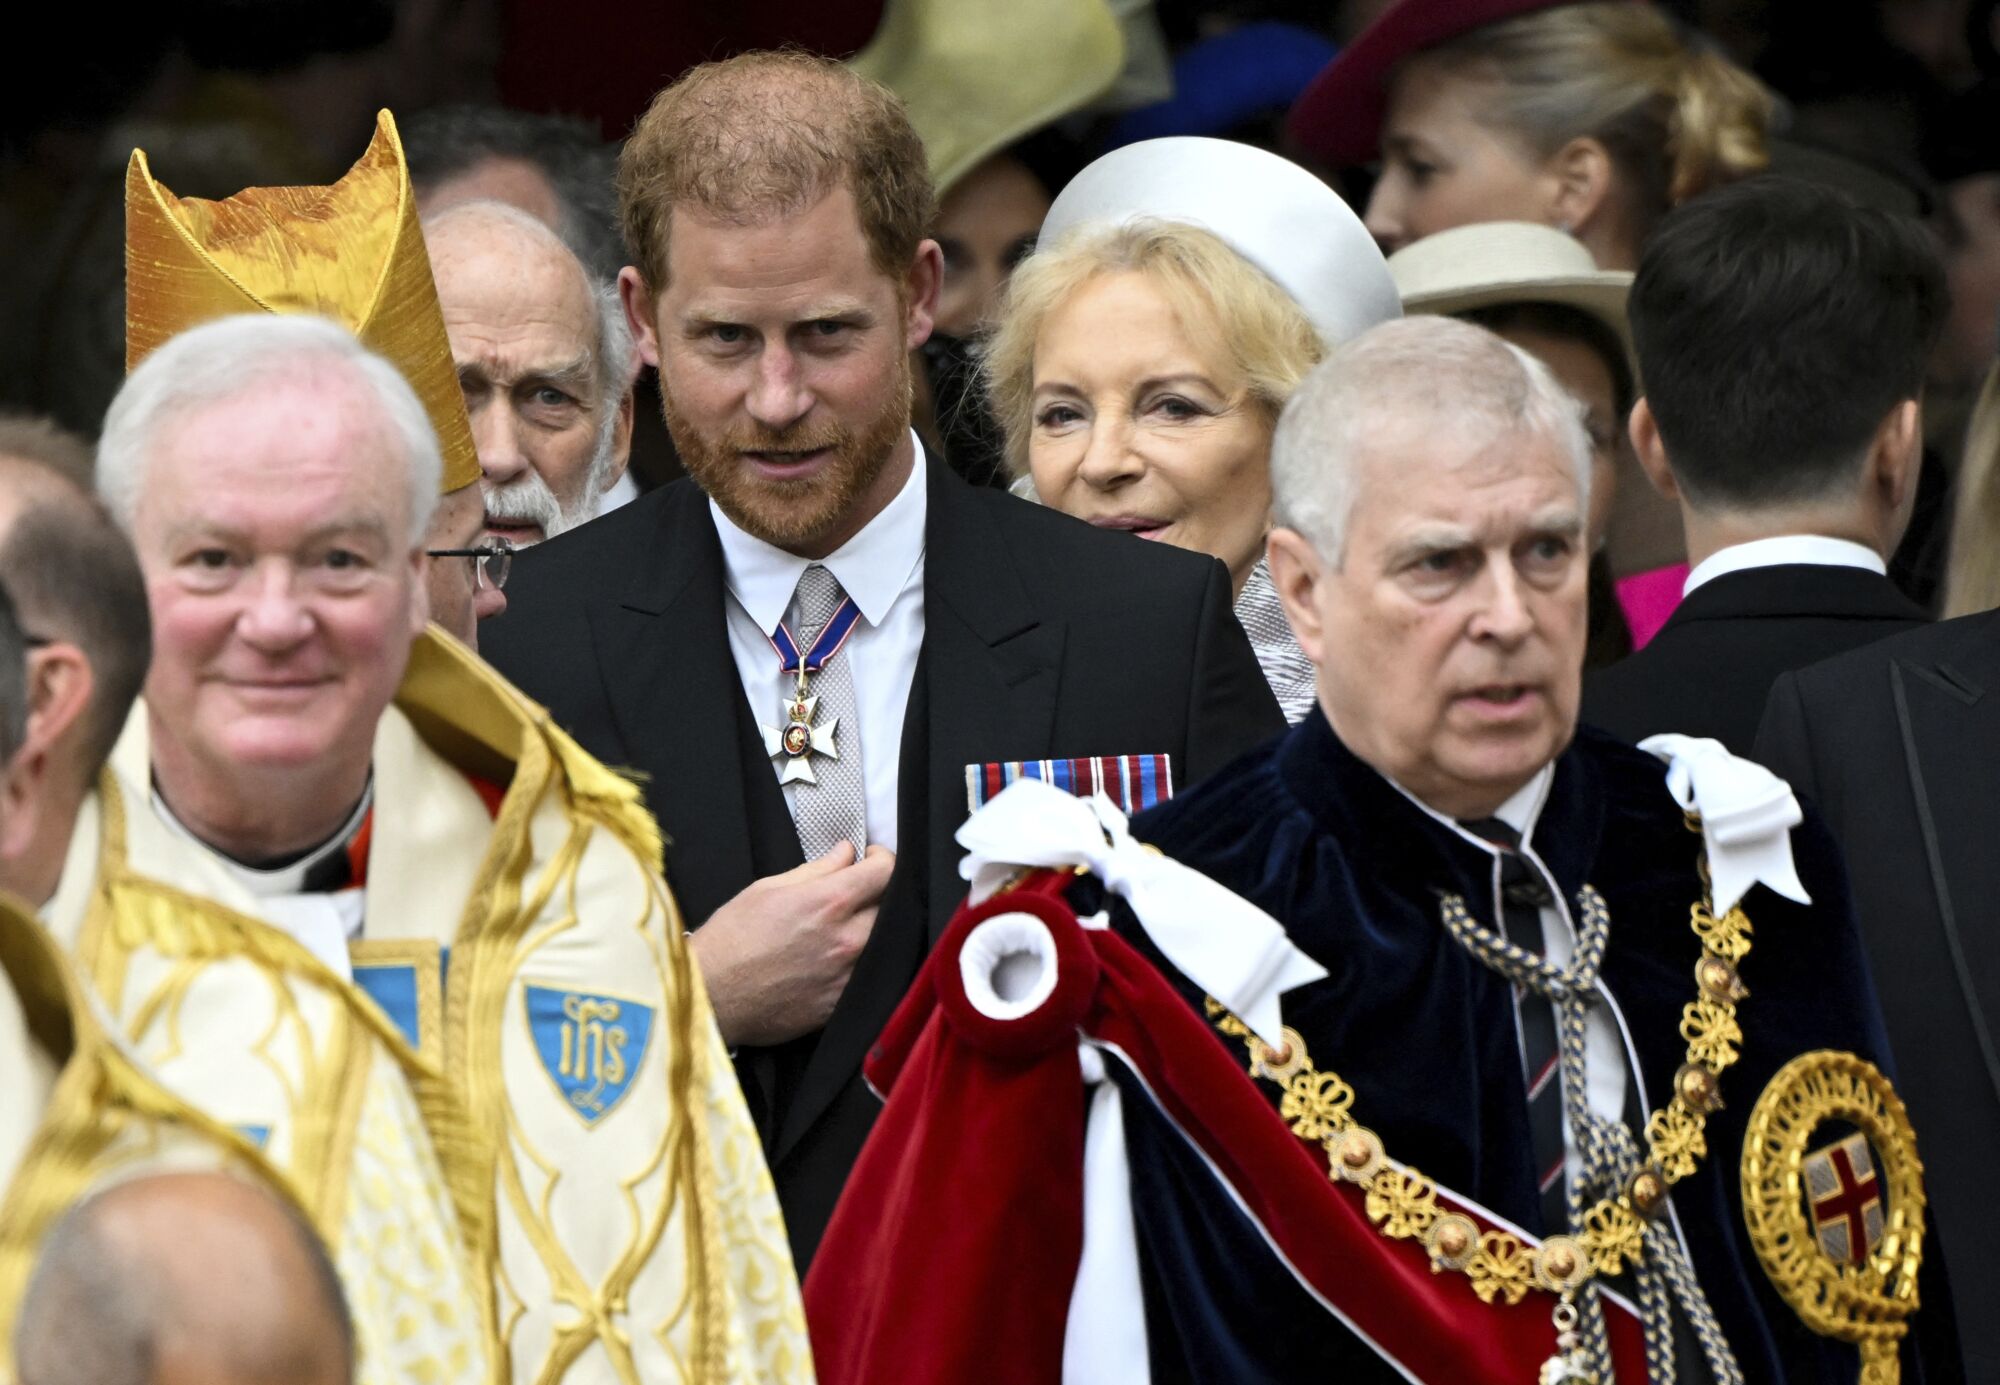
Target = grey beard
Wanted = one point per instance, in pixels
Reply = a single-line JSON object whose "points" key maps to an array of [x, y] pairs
{"points": [[529, 500]]}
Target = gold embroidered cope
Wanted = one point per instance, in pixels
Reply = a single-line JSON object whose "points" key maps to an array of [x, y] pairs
{"points": [[532, 1140], [78, 1114]]}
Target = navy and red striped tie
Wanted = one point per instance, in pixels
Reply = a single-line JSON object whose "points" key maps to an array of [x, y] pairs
{"points": [[1524, 893]]}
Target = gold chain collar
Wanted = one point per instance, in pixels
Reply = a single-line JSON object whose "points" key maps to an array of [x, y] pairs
{"points": [[1403, 1203]]}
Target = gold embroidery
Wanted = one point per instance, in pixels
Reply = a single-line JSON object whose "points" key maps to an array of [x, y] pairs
{"points": [[103, 1114], [425, 959], [329, 1057]]}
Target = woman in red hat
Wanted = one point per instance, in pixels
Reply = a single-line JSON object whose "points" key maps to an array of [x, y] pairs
{"points": [[1593, 117]]}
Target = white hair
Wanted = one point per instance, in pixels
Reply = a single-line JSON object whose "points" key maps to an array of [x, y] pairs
{"points": [[614, 343], [1419, 372], [528, 498], [611, 355], [236, 356]]}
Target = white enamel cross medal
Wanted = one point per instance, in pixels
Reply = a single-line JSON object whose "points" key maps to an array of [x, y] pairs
{"points": [[800, 740]]}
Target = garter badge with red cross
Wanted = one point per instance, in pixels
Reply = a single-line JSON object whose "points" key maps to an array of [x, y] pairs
{"points": [[1833, 1199], [1845, 1198]]}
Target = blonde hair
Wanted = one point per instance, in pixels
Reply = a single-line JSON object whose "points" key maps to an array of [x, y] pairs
{"points": [[1267, 335], [1972, 571], [1676, 120], [766, 135]]}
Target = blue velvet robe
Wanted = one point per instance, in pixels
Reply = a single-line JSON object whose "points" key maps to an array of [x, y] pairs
{"points": [[1425, 1033]]}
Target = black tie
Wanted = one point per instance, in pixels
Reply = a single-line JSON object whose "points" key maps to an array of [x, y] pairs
{"points": [[1524, 893]]}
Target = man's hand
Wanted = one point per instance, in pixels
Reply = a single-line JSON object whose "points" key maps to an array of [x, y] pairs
{"points": [[777, 957]]}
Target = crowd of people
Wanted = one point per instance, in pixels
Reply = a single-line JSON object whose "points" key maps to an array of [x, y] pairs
{"points": [[1244, 710]]}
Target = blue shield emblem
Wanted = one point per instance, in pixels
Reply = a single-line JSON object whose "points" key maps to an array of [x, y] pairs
{"points": [[590, 1045]]}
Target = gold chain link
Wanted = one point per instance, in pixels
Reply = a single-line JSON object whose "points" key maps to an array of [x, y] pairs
{"points": [[1403, 1203]]}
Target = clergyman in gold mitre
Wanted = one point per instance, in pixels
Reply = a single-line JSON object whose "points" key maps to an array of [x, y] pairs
{"points": [[511, 947]]}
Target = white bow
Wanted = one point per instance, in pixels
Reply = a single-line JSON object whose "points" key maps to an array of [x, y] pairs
{"points": [[1220, 941], [1747, 816]]}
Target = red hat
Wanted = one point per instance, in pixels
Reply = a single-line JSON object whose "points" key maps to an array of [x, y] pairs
{"points": [[1338, 119]]}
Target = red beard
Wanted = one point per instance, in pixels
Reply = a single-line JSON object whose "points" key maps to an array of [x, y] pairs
{"points": [[793, 514]]}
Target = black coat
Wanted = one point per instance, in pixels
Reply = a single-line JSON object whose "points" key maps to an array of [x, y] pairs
{"points": [[1425, 1033], [1043, 638], [1899, 746], [1710, 667]]}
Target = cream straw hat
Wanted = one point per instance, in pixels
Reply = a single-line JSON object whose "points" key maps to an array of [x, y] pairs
{"points": [[1493, 263]]}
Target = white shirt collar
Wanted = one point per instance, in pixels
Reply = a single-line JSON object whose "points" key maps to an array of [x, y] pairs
{"points": [[873, 567], [1520, 812], [1815, 549]]}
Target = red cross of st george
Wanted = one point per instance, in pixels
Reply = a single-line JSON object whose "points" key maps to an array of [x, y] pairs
{"points": [[1851, 1202]]}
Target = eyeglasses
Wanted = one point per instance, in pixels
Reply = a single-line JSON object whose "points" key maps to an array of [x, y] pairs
{"points": [[490, 564]]}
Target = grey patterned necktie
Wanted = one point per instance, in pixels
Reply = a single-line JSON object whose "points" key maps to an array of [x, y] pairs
{"points": [[835, 808]]}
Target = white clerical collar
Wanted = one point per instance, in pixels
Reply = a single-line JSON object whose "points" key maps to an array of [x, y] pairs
{"points": [[873, 567], [1521, 811], [1816, 549], [290, 878]]}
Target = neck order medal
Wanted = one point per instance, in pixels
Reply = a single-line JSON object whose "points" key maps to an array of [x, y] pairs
{"points": [[800, 740], [795, 745]]}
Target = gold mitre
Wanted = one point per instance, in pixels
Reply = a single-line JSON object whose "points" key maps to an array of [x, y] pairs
{"points": [[352, 252]]}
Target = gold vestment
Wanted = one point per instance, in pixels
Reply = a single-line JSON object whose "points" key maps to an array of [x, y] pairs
{"points": [[526, 969]]}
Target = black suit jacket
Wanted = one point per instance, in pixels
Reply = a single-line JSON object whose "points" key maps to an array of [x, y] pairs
{"points": [[1899, 745], [1710, 667], [1043, 638]]}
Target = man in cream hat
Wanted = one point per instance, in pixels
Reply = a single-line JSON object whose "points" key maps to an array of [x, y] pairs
{"points": [[383, 914]]}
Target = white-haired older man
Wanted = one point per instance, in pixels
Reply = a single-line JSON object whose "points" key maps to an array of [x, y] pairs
{"points": [[545, 358], [372, 809], [1516, 1002]]}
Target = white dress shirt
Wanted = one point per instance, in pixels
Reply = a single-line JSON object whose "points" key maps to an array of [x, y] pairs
{"points": [[1816, 549], [1604, 1057], [882, 569]]}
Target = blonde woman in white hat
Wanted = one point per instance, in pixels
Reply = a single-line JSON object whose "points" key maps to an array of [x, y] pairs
{"points": [[1142, 354], [1539, 289]]}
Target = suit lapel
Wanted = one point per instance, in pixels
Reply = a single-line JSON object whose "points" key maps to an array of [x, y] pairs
{"points": [[994, 667], [679, 703], [1950, 726], [985, 689]]}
